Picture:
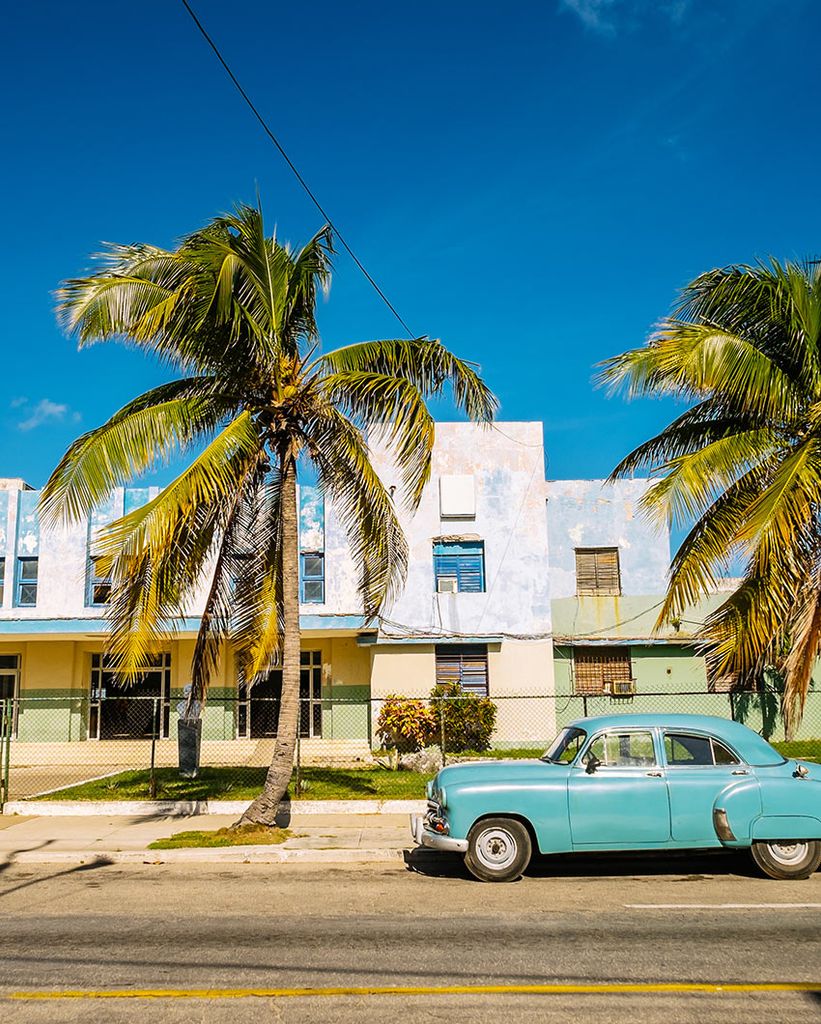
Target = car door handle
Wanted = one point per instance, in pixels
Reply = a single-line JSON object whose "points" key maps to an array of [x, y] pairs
{"points": [[740, 771], [655, 775]]}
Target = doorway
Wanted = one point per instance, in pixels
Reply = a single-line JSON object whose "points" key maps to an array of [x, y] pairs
{"points": [[260, 715], [135, 711]]}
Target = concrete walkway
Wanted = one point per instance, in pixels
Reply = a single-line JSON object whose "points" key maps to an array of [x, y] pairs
{"points": [[317, 838]]}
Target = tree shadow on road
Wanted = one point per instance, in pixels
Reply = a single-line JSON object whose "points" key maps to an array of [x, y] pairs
{"points": [[11, 860]]}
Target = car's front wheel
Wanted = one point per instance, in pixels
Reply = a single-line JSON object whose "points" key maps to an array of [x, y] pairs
{"points": [[787, 859], [499, 850]]}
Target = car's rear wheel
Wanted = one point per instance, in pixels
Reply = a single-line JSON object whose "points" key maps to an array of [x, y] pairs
{"points": [[499, 850], [787, 859]]}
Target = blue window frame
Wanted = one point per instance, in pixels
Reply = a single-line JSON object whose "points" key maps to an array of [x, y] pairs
{"points": [[27, 572], [99, 584], [462, 561], [312, 577], [2, 579]]}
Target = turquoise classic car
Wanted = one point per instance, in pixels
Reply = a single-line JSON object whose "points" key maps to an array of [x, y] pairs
{"points": [[630, 782]]}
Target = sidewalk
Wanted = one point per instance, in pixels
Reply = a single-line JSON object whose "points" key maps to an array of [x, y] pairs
{"points": [[331, 838]]}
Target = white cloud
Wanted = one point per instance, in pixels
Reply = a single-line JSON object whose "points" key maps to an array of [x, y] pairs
{"points": [[608, 16], [44, 411]]}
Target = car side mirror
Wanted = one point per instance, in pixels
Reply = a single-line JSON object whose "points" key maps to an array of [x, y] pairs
{"points": [[801, 772], [591, 763]]}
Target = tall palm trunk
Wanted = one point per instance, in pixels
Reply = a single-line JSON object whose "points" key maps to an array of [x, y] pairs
{"points": [[264, 808]]}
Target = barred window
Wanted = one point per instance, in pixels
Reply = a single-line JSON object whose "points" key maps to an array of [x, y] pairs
{"points": [[465, 664], [597, 571], [596, 668]]}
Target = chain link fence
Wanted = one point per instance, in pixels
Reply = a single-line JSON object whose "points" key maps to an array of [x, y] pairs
{"points": [[126, 747]]}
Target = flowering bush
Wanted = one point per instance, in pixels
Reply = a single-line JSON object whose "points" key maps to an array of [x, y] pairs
{"points": [[468, 721], [405, 725]]}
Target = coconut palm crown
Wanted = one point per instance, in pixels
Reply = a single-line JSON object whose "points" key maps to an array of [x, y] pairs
{"points": [[232, 310], [741, 468]]}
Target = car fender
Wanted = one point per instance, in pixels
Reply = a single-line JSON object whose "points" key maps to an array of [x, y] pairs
{"points": [[541, 806], [786, 826], [740, 802]]}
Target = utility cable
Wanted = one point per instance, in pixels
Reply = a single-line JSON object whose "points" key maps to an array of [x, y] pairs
{"points": [[293, 168]]}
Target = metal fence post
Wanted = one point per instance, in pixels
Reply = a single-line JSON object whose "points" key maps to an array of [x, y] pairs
{"points": [[732, 705], [152, 776], [442, 729], [5, 750]]}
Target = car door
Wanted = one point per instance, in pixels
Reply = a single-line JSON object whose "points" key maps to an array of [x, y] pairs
{"points": [[698, 768], [623, 803]]}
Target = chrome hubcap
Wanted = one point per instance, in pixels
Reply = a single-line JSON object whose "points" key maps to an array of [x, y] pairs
{"points": [[495, 848], [788, 853]]}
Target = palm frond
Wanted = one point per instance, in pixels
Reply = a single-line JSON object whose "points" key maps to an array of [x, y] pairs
{"points": [[147, 431]]}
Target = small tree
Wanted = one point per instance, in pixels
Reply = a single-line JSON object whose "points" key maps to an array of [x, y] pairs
{"points": [[466, 720], [405, 725]]}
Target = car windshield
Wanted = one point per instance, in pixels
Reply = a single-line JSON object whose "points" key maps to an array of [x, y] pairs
{"points": [[564, 748]]}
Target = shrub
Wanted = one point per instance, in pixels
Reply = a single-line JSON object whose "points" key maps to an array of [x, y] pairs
{"points": [[405, 725], [469, 720]]}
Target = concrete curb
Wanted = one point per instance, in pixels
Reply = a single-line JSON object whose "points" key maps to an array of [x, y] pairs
{"points": [[187, 808], [223, 855]]}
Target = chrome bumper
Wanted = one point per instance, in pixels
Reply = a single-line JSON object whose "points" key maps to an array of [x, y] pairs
{"points": [[434, 840]]}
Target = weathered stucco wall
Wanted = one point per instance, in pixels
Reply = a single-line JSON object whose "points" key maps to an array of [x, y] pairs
{"points": [[594, 513], [507, 466]]}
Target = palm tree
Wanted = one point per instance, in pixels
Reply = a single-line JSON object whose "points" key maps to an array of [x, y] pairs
{"points": [[233, 312], [741, 468]]}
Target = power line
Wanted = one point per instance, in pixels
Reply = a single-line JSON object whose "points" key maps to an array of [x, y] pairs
{"points": [[292, 166]]}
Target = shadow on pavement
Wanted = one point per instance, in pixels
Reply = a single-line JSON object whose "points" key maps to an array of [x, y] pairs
{"points": [[598, 865], [11, 861]]}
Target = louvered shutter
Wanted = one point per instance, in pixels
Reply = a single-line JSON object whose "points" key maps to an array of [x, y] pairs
{"points": [[597, 571], [465, 664], [465, 560]]}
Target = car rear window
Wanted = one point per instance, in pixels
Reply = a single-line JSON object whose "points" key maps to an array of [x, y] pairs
{"points": [[686, 750]]}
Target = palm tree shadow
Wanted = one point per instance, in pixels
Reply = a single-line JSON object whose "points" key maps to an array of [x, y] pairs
{"points": [[11, 860]]}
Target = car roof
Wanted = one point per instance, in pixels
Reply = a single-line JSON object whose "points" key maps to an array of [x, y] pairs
{"points": [[754, 749]]}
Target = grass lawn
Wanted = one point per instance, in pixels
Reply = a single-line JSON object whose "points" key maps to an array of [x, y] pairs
{"points": [[245, 835], [809, 750], [245, 783]]}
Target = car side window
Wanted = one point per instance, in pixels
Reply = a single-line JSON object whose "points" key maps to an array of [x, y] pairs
{"points": [[682, 750], [723, 755], [623, 749]]}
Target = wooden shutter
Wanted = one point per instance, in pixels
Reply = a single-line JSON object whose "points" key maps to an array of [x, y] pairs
{"points": [[595, 666], [465, 664], [597, 571]]}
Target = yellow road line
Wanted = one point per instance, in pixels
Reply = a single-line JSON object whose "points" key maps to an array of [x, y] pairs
{"points": [[417, 990]]}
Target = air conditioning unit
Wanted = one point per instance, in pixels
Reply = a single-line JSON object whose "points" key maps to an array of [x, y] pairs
{"points": [[620, 687], [447, 585]]}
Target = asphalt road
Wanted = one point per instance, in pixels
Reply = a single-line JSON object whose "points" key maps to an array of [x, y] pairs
{"points": [[609, 921]]}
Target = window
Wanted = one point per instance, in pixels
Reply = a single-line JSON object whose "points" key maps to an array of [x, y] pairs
{"points": [[623, 750], [681, 750], [2, 579], [596, 669], [313, 577], [459, 566], [99, 583], [465, 664], [27, 582], [597, 571]]}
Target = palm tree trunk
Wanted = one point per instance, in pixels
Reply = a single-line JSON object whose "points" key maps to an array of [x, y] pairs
{"points": [[264, 808]]}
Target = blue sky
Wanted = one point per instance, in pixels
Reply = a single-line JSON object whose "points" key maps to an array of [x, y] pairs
{"points": [[531, 183]]}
